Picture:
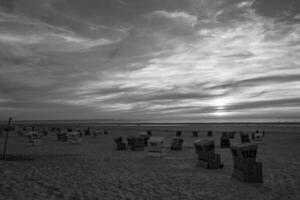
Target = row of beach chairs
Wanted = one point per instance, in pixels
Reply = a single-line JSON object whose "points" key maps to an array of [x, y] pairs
{"points": [[246, 168]]}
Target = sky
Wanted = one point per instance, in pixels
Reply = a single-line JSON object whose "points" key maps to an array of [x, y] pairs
{"points": [[155, 60]]}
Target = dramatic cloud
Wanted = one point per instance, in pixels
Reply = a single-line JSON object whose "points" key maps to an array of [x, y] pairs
{"points": [[179, 60]]}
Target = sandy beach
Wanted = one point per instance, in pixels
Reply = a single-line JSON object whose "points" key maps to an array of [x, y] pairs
{"points": [[95, 170], [78, 77]]}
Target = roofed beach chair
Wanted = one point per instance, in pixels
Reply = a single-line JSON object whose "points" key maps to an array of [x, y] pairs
{"points": [[209, 133], [176, 144], [207, 158], [246, 168], [121, 146], [155, 146], [225, 140]]}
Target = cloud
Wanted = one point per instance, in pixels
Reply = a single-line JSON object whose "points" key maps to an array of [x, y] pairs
{"points": [[140, 59], [245, 4], [297, 16], [44, 37], [180, 17]]}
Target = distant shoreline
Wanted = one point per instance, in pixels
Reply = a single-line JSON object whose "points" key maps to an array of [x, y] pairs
{"points": [[136, 123]]}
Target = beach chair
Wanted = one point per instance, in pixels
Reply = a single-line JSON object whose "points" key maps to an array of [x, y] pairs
{"points": [[207, 158], [244, 138], [69, 130], [209, 133], [246, 168], [149, 132], [136, 143], [139, 144], [252, 136], [177, 144], [178, 133], [87, 132], [97, 132], [258, 137], [146, 136], [195, 133], [74, 137], [231, 135], [121, 146], [62, 136], [34, 138], [225, 140], [155, 146], [59, 136], [130, 141], [45, 132]]}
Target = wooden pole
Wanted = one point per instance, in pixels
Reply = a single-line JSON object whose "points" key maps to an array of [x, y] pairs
{"points": [[6, 138]]}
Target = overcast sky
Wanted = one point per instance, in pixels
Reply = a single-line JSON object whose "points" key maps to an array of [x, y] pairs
{"points": [[184, 60]]}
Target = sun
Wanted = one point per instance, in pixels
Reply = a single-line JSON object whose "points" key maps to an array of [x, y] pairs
{"points": [[220, 113], [222, 102]]}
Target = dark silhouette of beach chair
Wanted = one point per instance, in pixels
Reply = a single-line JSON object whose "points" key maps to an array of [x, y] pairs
{"points": [[244, 138], [145, 136], [155, 146], [195, 133], [121, 146], [257, 136], [209, 133], [62, 136], [87, 132], [176, 144], [231, 135], [207, 158], [136, 143], [149, 132], [246, 168], [130, 141], [225, 140], [34, 138]]}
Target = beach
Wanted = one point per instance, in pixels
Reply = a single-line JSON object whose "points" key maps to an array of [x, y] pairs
{"points": [[95, 170]]}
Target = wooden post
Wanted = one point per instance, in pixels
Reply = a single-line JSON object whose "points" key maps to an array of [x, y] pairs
{"points": [[6, 138]]}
